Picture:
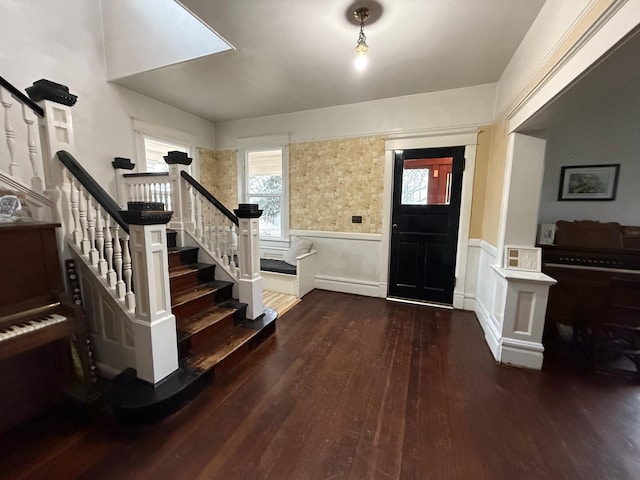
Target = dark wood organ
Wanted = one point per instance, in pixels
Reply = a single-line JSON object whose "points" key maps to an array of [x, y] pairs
{"points": [[594, 264]]}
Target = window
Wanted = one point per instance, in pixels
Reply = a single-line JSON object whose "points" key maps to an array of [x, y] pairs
{"points": [[265, 185], [156, 149], [426, 181]]}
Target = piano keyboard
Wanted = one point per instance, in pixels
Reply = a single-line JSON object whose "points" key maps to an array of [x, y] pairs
{"points": [[27, 326]]}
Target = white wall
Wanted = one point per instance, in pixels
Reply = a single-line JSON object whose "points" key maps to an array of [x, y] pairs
{"points": [[64, 43], [597, 134], [548, 30], [427, 111], [141, 35]]}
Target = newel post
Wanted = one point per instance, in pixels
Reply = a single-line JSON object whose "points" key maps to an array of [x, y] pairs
{"points": [[154, 325], [56, 133], [250, 280], [180, 201]]}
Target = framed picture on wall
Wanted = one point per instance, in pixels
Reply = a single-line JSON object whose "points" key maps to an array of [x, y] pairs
{"points": [[589, 182]]}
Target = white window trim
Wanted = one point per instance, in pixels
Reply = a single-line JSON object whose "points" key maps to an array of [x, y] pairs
{"points": [[255, 144], [168, 134]]}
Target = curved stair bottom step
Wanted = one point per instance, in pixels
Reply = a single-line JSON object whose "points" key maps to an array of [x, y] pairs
{"points": [[136, 402]]}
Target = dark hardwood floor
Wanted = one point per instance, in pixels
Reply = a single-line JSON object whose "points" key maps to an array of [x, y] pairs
{"points": [[359, 388]]}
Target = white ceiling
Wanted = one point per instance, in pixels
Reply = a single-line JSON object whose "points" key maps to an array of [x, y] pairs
{"points": [[293, 55]]}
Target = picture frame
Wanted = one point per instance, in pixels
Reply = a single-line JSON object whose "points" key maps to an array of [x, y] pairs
{"points": [[528, 259], [588, 182], [546, 233]]}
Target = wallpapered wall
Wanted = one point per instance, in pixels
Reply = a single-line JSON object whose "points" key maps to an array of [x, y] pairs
{"points": [[331, 180], [219, 175]]}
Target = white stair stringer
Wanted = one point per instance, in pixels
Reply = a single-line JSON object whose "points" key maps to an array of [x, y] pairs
{"points": [[109, 321]]}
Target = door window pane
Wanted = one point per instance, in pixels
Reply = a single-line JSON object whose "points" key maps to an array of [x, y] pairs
{"points": [[426, 181]]}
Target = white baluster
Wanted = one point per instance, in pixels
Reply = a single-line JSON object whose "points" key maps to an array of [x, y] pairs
{"points": [[9, 132], [130, 299], [234, 250], [197, 208], [29, 118], [190, 209], [211, 236], [168, 196], [75, 212], [225, 248], [102, 263], [108, 252], [82, 207], [117, 261], [91, 228], [218, 250]]}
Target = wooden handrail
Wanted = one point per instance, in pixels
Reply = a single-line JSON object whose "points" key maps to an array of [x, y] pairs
{"points": [[145, 174], [93, 187], [206, 194], [21, 97]]}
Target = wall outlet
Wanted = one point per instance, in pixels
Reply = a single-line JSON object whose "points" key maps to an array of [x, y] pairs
{"points": [[356, 219]]}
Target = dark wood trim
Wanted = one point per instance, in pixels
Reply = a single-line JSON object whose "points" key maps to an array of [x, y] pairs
{"points": [[206, 194], [93, 187], [21, 97], [146, 174]]}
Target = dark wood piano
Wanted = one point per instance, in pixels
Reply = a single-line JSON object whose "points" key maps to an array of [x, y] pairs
{"points": [[588, 259], [35, 323]]}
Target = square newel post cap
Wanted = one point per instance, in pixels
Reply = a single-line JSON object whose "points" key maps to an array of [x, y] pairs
{"points": [[247, 210], [176, 157], [54, 92], [121, 163], [146, 213]]}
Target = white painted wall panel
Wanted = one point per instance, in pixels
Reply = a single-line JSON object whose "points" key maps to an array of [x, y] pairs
{"points": [[550, 26], [428, 111]]}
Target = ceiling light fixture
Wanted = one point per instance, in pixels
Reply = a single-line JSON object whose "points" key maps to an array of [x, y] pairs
{"points": [[361, 14]]}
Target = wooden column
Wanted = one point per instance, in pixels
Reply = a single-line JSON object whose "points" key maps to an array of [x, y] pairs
{"points": [[249, 280], [154, 325]]}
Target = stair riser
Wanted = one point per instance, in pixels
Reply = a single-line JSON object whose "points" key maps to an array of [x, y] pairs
{"points": [[192, 279], [172, 237], [198, 341], [241, 353], [197, 305], [186, 257]]}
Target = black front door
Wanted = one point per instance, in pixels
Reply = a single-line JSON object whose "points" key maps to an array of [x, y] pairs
{"points": [[427, 187]]}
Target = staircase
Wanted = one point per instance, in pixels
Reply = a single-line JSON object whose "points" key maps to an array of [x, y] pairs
{"points": [[213, 335]]}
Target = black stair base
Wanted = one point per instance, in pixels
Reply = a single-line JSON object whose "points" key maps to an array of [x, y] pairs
{"points": [[136, 402]]}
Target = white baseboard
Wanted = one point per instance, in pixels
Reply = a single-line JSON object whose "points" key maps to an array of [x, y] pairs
{"points": [[347, 285], [522, 354], [469, 303], [491, 335]]}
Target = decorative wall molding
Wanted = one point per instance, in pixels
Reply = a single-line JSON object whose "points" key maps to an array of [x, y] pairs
{"points": [[369, 237], [348, 285]]}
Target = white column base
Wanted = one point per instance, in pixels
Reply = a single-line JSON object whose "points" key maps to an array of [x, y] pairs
{"points": [[250, 292], [156, 352]]}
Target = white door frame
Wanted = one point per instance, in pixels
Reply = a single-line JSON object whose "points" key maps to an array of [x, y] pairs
{"points": [[451, 138]]}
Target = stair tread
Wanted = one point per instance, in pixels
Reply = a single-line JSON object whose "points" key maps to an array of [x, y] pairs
{"points": [[185, 296], [217, 349], [205, 319], [181, 270], [176, 250]]}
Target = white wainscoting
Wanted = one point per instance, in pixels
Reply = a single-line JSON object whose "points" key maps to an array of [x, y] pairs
{"points": [[356, 263], [486, 300], [347, 262]]}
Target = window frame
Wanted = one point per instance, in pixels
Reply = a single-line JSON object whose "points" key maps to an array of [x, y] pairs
{"points": [[260, 144], [164, 134]]}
